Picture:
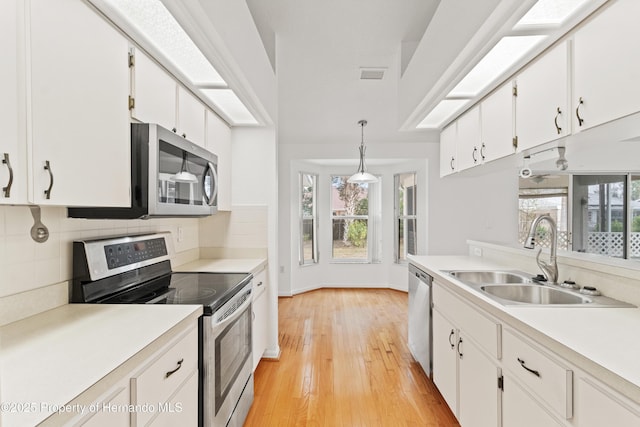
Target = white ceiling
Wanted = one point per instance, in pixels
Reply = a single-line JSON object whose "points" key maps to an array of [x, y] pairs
{"points": [[317, 49]]}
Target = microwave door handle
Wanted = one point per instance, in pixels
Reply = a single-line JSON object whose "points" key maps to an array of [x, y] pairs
{"points": [[210, 199]]}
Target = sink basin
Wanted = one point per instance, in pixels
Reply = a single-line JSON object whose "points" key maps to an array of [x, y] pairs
{"points": [[490, 277], [534, 294]]}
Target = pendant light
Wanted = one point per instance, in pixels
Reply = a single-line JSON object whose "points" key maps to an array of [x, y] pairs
{"points": [[184, 175], [362, 176]]}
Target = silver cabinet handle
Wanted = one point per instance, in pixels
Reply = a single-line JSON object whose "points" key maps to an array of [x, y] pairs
{"points": [[451, 335], [580, 119], [47, 167], [7, 189], [524, 366], [451, 163], [168, 374], [458, 348], [558, 128], [482, 150], [473, 154]]}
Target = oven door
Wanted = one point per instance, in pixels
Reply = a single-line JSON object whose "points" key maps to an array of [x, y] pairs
{"points": [[183, 175], [226, 365]]}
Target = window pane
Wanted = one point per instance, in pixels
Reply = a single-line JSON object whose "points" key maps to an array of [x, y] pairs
{"points": [[536, 202], [308, 244], [350, 239], [348, 199], [599, 206], [634, 244], [407, 240], [307, 240], [406, 194]]}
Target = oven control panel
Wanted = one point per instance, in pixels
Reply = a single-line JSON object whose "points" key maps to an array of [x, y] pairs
{"points": [[121, 254]]}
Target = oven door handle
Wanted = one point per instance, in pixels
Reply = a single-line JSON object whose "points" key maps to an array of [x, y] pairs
{"points": [[232, 318]]}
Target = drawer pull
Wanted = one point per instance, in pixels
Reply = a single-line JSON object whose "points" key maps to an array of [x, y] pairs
{"points": [[451, 336], [168, 374], [259, 284], [534, 372]]}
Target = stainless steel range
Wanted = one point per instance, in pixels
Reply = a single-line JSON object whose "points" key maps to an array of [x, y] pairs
{"points": [[137, 270]]}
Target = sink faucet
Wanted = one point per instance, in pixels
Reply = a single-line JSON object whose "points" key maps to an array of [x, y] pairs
{"points": [[550, 269]]}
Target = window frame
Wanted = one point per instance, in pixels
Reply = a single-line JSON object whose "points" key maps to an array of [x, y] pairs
{"points": [[398, 218], [302, 261], [372, 218]]}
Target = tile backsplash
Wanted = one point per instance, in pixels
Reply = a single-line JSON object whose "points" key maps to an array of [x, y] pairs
{"points": [[26, 265]]}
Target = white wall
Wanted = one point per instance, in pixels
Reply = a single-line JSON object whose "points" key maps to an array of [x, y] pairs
{"points": [[28, 265], [458, 208]]}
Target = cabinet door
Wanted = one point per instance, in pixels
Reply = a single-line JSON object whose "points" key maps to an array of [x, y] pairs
{"points": [[479, 396], [606, 69], [469, 139], [598, 406], [259, 328], [445, 359], [182, 408], [191, 117], [79, 116], [108, 418], [520, 409], [541, 104], [497, 124], [218, 141], [448, 142], [154, 93], [13, 148]]}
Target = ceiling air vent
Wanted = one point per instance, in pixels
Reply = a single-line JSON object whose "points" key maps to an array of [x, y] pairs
{"points": [[372, 73]]}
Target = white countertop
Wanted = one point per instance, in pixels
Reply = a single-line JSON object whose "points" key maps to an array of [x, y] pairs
{"points": [[601, 341], [225, 265], [51, 358]]}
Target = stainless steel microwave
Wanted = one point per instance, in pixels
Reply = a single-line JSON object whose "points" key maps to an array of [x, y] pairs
{"points": [[170, 177]]}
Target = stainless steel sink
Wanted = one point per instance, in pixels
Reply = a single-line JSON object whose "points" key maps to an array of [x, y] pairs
{"points": [[490, 277], [512, 287], [534, 294]]}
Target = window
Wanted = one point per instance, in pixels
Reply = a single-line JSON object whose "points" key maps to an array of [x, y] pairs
{"points": [[355, 216], [548, 196], [405, 212], [308, 222], [606, 215]]}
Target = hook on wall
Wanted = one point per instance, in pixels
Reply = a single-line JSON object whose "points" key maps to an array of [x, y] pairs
{"points": [[39, 231]]}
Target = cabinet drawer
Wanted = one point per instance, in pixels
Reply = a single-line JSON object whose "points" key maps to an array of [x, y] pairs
{"points": [[485, 331], [548, 379], [164, 376]]}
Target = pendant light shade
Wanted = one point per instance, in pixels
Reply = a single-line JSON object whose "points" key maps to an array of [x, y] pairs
{"points": [[362, 176], [184, 176]]}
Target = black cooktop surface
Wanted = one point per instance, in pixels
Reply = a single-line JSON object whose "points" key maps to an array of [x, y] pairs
{"points": [[209, 289]]}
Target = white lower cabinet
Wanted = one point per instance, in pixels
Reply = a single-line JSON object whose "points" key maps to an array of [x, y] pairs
{"points": [[466, 375], [260, 316], [520, 409], [182, 408], [598, 405], [156, 383], [108, 412]]}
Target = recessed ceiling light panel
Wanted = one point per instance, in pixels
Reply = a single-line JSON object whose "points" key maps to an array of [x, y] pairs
{"points": [[152, 19], [507, 52], [550, 13], [229, 104], [444, 110]]}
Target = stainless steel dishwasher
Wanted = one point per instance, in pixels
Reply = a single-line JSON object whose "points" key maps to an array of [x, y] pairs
{"points": [[420, 317]]}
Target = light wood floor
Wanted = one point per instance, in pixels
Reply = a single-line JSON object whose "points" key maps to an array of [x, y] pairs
{"points": [[345, 362]]}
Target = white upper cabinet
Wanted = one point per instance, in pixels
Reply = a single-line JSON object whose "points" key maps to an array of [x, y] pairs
{"points": [[13, 164], [542, 99], [607, 66], [78, 122], [469, 139], [160, 99], [497, 124], [218, 141], [448, 142], [154, 93], [191, 117]]}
